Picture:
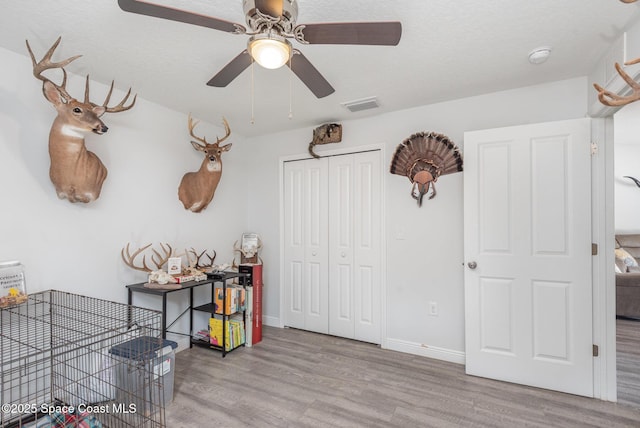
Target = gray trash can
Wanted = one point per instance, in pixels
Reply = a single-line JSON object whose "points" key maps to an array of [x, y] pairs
{"points": [[144, 370]]}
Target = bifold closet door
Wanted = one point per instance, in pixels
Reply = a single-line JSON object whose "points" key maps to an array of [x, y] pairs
{"points": [[354, 246], [306, 245]]}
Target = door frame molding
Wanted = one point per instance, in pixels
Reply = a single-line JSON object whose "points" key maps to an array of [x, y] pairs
{"points": [[603, 231], [383, 240]]}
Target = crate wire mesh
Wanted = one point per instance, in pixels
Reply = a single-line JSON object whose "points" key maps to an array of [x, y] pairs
{"points": [[55, 352]]}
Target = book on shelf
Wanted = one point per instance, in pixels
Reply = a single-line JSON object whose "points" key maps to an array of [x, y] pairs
{"points": [[202, 335], [235, 300], [233, 330], [249, 317]]}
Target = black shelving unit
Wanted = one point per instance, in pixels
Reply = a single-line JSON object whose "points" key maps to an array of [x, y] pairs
{"points": [[210, 308]]}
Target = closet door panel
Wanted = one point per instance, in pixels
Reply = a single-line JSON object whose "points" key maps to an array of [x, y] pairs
{"points": [[367, 246], [294, 263], [305, 248], [316, 245], [341, 291]]}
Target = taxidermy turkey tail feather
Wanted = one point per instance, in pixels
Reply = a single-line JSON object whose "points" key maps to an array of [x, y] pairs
{"points": [[423, 158]]}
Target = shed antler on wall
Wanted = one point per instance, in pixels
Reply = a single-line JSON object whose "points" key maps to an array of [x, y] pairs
{"points": [[611, 99], [197, 188], [76, 173]]}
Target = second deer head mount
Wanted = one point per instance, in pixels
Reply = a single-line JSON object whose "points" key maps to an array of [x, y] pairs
{"points": [[197, 188], [76, 173]]}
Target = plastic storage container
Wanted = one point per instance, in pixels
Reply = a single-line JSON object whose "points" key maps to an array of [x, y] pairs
{"points": [[144, 377], [13, 289]]}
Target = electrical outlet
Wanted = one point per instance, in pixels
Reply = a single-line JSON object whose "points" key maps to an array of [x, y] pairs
{"points": [[433, 309]]}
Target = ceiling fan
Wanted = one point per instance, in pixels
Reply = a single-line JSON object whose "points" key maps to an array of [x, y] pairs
{"points": [[271, 24]]}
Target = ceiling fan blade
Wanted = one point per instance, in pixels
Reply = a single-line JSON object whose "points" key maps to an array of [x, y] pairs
{"points": [[231, 70], [270, 7], [150, 9], [309, 75], [352, 33]]}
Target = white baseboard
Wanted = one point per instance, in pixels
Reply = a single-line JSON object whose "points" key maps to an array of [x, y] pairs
{"points": [[271, 321], [443, 354], [434, 352]]}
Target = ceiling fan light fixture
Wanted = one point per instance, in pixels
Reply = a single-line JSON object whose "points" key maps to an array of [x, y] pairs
{"points": [[269, 50]]}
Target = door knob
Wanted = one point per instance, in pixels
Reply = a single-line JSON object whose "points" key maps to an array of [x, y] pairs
{"points": [[343, 254], [314, 253], [472, 265]]}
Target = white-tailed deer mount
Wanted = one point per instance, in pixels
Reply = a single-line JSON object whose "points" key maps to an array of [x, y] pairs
{"points": [[76, 173], [325, 134], [609, 98], [197, 188]]}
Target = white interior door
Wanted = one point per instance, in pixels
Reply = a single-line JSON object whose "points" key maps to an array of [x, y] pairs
{"points": [[354, 246], [306, 245], [528, 300]]}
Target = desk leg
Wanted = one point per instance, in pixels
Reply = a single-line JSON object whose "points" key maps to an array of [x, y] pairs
{"points": [[164, 315], [129, 302], [190, 317]]}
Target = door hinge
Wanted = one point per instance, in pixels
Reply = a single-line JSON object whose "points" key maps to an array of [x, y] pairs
{"points": [[594, 149], [594, 249], [595, 350]]}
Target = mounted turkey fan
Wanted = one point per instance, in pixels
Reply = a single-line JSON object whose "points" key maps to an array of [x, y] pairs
{"points": [[272, 23], [423, 158]]}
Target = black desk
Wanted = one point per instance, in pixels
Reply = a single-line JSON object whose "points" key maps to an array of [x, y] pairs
{"points": [[190, 285]]}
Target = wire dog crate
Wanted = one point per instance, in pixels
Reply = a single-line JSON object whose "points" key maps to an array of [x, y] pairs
{"points": [[58, 368]]}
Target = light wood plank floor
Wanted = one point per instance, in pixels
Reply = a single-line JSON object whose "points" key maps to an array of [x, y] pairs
{"points": [[628, 360], [300, 379]]}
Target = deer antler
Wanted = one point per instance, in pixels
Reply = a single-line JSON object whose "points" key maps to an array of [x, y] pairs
{"points": [[161, 260], [614, 100], [115, 109], [211, 260], [197, 257], [227, 130], [203, 140], [129, 260], [46, 64], [192, 126]]}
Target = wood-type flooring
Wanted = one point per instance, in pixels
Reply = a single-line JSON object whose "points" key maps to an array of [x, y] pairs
{"points": [[295, 378]]}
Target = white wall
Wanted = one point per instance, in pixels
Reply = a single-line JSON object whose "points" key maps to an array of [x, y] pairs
{"points": [[76, 247], [626, 156], [428, 264]]}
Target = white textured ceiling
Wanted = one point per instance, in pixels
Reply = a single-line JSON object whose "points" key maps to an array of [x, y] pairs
{"points": [[448, 50]]}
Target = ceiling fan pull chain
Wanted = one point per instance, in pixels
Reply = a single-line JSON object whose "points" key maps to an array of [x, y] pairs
{"points": [[290, 91], [252, 95]]}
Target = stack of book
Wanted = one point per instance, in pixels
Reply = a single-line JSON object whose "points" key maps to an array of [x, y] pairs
{"points": [[235, 300], [233, 330]]}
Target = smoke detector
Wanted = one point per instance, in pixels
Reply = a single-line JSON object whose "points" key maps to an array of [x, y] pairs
{"points": [[361, 104], [539, 55]]}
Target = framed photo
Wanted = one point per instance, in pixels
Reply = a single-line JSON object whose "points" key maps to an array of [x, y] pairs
{"points": [[174, 265]]}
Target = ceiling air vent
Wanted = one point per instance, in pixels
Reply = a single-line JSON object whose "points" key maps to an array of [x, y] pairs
{"points": [[362, 104]]}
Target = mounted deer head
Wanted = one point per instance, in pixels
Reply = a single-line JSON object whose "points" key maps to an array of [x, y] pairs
{"points": [[76, 173], [197, 188], [614, 100]]}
